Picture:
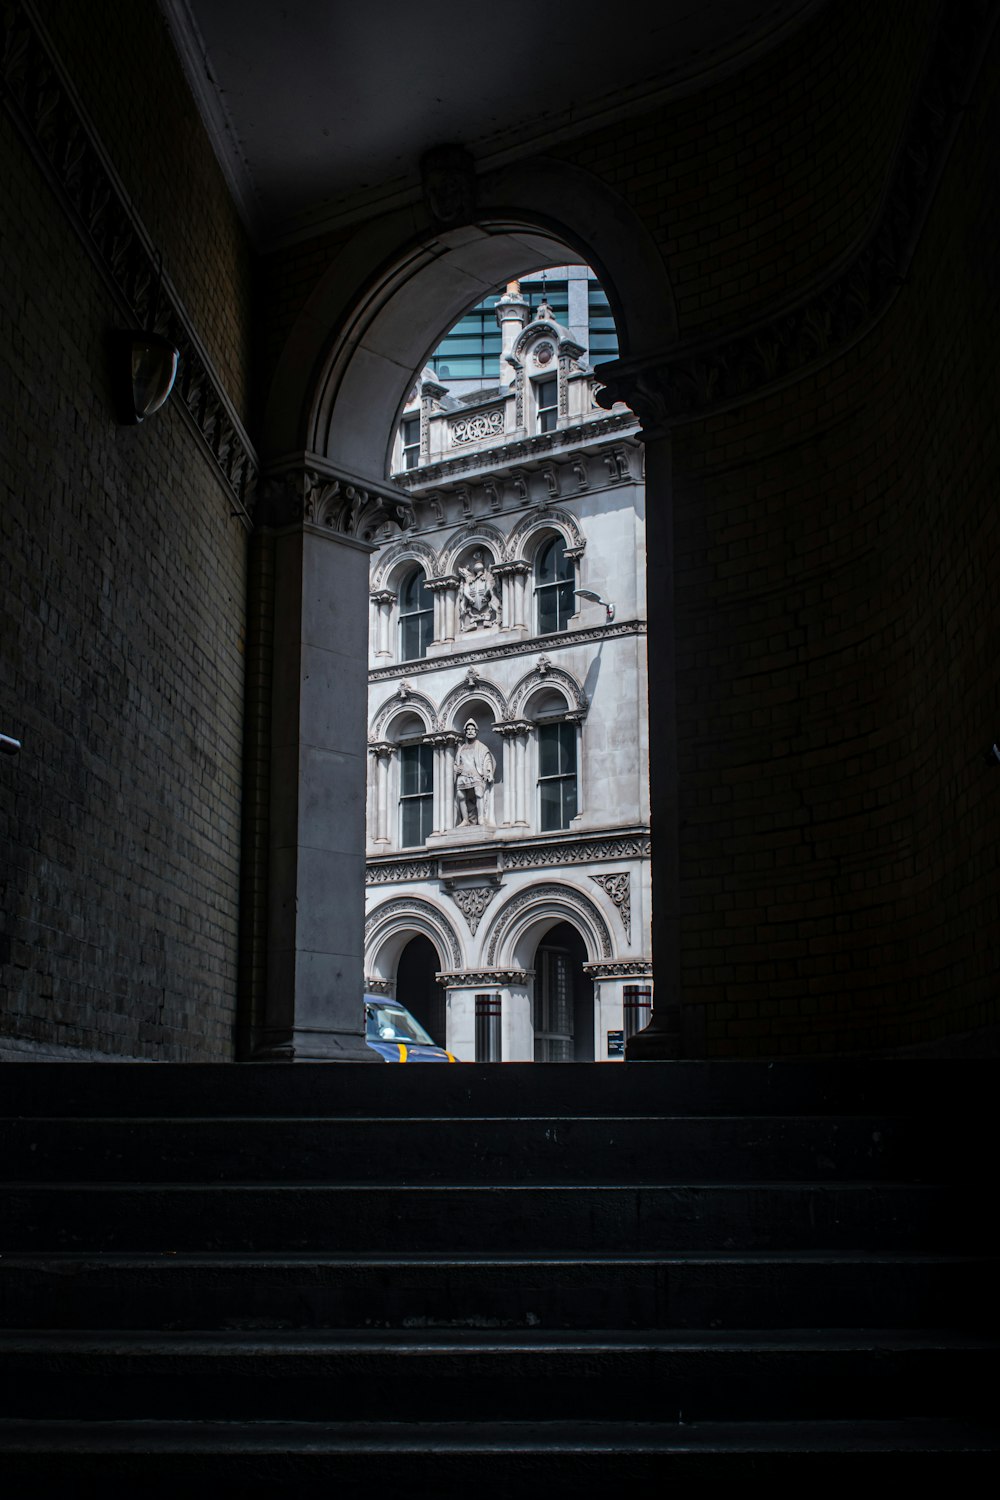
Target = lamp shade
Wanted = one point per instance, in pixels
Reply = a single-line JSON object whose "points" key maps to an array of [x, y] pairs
{"points": [[145, 368]]}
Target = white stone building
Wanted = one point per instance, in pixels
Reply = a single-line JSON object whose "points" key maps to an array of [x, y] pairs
{"points": [[515, 602]]}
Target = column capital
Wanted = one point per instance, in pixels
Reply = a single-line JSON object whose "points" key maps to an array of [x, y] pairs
{"points": [[443, 584], [512, 728], [382, 596], [306, 489], [382, 749], [468, 979]]}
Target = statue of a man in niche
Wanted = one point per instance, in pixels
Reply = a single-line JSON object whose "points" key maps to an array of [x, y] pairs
{"points": [[474, 772], [479, 599]]}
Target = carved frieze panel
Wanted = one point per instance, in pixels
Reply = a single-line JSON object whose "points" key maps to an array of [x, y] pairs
{"points": [[472, 901], [478, 427]]}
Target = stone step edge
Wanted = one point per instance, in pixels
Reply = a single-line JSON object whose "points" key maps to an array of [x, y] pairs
{"points": [[50, 1439]]}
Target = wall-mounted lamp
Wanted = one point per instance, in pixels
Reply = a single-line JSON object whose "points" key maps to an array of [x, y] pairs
{"points": [[9, 746], [596, 599], [145, 365]]}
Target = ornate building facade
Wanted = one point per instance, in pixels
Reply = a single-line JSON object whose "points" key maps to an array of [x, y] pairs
{"points": [[508, 819]]}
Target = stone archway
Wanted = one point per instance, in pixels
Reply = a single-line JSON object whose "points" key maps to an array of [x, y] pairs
{"points": [[338, 389]]}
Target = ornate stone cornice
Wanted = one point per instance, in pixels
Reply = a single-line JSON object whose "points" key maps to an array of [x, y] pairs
{"points": [[639, 968], [44, 106], [712, 374], [531, 854], [526, 647], [469, 978], [305, 488], [529, 453]]}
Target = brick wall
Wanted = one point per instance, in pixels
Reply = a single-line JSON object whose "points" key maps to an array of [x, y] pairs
{"points": [[837, 629], [127, 75], [121, 654]]}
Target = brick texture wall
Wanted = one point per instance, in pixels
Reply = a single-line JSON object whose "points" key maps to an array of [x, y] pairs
{"points": [[837, 628], [121, 653]]}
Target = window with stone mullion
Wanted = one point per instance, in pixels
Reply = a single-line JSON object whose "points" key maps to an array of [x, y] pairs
{"points": [[554, 578], [416, 794], [416, 617], [556, 776]]}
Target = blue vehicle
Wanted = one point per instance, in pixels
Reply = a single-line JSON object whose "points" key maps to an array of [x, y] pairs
{"points": [[397, 1036]]}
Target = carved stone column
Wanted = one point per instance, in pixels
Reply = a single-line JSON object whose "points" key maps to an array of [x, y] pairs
{"points": [[382, 752], [320, 522], [514, 733], [382, 600], [445, 591], [445, 742], [513, 576]]}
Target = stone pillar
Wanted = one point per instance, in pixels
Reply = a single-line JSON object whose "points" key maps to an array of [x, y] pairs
{"points": [[517, 1032], [382, 601], [444, 742], [514, 577], [515, 735], [445, 591], [382, 754], [318, 782]]}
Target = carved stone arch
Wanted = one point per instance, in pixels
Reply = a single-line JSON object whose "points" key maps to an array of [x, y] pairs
{"points": [[538, 906], [390, 562], [523, 541], [535, 330], [411, 702], [478, 689], [390, 926], [548, 677], [474, 532]]}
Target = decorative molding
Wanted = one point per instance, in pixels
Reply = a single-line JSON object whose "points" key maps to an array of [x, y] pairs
{"points": [[399, 870], [308, 489], [524, 647], [379, 987], [468, 978], [535, 855], [619, 887], [538, 895], [639, 968], [405, 550], [396, 912], [547, 518], [475, 429], [803, 335], [522, 450], [472, 901], [44, 106], [546, 675], [580, 851]]}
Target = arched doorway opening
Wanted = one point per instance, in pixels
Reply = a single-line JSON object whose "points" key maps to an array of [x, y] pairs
{"points": [[418, 989], [564, 998], [337, 393]]}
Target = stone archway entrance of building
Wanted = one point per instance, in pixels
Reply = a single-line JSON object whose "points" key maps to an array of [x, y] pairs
{"points": [[336, 394], [564, 998], [417, 987]]}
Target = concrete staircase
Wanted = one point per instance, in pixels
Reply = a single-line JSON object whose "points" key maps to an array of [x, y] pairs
{"points": [[533, 1278]]}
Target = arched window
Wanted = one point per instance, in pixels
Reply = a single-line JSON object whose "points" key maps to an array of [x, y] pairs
{"points": [[556, 775], [416, 616], [416, 794], [555, 575]]}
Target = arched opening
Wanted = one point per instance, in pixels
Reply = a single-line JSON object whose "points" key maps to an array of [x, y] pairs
{"points": [[332, 419], [419, 990], [564, 998]]}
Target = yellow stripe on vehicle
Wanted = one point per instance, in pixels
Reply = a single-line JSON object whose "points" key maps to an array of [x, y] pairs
{"points": [[402, 1052]]}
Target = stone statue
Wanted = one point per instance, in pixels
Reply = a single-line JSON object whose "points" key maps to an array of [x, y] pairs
{"points": [[479, 598], [474, 772]]}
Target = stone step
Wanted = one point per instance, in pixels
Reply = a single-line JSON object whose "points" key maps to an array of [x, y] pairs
{"points": [[447, 1150], [688, 1216], [849, 1086], [701, 1375], [630, 1291], [493, 1460]]}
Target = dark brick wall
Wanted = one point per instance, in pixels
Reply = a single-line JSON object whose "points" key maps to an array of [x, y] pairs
{"points": [[838, 624], [126, 73], [121, 654]]}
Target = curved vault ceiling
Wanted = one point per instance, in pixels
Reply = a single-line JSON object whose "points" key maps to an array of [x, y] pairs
{"points": [[319, 109]]}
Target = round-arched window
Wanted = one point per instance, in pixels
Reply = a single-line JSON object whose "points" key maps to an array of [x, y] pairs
{"points": [[416, 616], [555, 575]]}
